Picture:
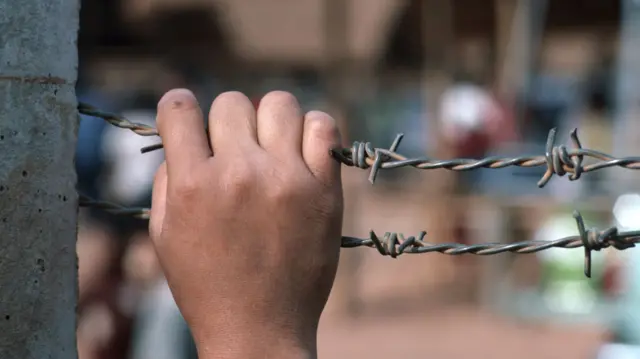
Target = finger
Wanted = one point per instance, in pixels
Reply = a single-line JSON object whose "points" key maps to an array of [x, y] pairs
{"points": [[280, 124], [181, 126], [158, 201], [232, 122], [320, 135]]}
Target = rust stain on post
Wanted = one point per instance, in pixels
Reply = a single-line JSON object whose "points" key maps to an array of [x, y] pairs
{"points": [[44, 80]]}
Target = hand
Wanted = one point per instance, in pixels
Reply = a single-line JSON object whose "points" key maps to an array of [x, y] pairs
{"points": [[248, 238]]}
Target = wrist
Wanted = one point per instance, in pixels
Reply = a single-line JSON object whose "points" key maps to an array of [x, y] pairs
{"points": [[258, 345], [257, 352]]}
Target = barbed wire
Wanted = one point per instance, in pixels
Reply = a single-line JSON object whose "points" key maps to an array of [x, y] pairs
{"points": [[395, 244], [557, 158], [117, 120], [141, 213]]}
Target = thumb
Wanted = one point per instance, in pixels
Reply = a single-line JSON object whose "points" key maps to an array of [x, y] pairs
{"points": [[158, 201]]}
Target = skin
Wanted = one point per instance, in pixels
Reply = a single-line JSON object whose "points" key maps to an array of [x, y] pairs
{"points": [[248, 239]]}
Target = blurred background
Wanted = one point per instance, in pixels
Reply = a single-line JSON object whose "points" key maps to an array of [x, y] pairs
{"points": [[460, 78]]}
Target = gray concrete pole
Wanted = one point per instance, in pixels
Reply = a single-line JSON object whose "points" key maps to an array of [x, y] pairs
{"points": [[38, 201]]}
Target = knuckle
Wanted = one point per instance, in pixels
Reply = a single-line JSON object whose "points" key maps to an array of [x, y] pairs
{"points": [[187, 188], [298, 189], [286, 185], [237, 179], [282, 193]]}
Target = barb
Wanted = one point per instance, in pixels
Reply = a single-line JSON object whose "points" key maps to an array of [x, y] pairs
{"points": [[558, 159], [395, 244]]}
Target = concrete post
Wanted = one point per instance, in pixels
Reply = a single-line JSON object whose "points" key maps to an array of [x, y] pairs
{"points": [[38, 201]]}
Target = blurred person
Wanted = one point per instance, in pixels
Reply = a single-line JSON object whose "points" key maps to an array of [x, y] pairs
{"points": [[550, 101], [559, 100], [95, 251], [140, 263], [474, 121], [98, 321], [89, 165], [128, 181], [408, 117], [249, 285], [463, 108], [159, 329], [103, 329], [596, 119], [115, 170]]}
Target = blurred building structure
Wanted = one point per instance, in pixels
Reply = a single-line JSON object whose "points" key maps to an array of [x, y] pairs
{"points": [[351, 49], [354, 53], [381, 66]]}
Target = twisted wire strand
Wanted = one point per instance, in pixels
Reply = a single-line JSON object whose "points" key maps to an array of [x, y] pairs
{"points": [[117, 120], [395, 244], [141, 213], [558, 159], [592, 239]]}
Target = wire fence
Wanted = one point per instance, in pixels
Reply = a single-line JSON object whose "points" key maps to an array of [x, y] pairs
{"points": [[558, 159]]}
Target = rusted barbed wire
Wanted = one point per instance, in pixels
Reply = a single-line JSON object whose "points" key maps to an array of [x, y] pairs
{"points": [[395, 244], [141, 213], [592, 239], [557, 158], [117, 120]]}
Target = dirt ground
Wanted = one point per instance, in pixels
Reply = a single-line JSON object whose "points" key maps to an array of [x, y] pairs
{"points": [[408, 304], [453, 333]]}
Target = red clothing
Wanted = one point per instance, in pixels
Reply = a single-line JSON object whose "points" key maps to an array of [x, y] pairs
{"points": [[498, 128]]}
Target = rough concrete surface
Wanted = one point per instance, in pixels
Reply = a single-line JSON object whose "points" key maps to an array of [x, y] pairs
{"points": [[38, 203]]}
